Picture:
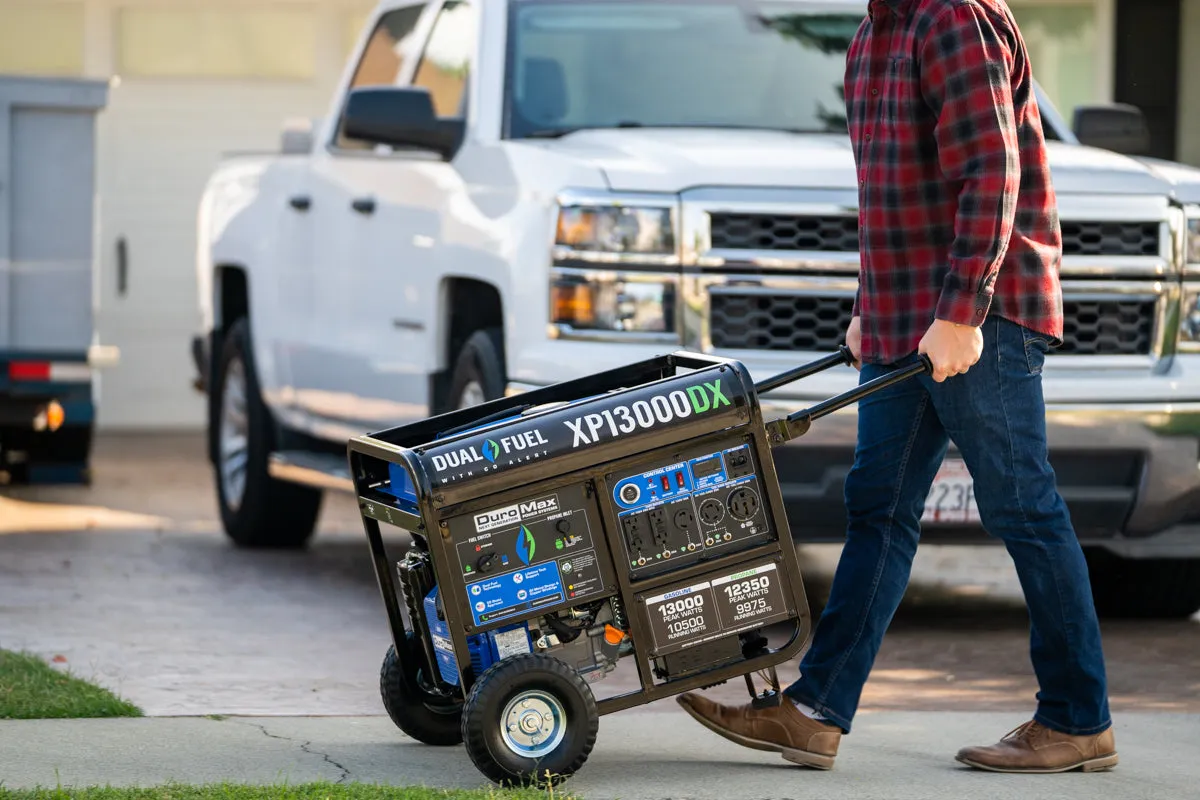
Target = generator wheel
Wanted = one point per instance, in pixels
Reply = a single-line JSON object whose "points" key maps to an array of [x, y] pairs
{"points": [[530, 719], [428, 718]]}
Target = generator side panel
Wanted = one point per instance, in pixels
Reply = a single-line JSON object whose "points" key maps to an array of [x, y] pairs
{"points": [[541, 553]]}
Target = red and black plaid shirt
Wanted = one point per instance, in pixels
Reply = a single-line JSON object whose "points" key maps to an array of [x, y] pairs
{"points": [[957, 212]]}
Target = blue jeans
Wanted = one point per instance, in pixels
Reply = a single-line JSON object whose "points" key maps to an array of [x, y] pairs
{"points": [[995, 415]]}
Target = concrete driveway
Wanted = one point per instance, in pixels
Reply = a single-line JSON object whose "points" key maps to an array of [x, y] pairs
{"points": [[142, 593]]}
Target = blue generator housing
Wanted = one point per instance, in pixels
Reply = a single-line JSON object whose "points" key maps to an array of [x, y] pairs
{"points": [[484, 647]]}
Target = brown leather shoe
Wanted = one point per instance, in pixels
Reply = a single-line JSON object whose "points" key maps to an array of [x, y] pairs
{"points": [[781, 729], [1035, 748]]}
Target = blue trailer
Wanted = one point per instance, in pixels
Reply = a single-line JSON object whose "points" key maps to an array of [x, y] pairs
{"points": [[49, 348]]}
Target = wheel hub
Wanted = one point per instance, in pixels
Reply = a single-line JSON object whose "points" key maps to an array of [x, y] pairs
{"points": [[234, 434], [534, 723], [472, 395]]}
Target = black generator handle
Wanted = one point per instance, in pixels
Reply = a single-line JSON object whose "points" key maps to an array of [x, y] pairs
{"points": [[842, 356], [798, 422]]}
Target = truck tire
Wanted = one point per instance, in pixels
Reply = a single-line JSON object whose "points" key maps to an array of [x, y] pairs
{"points": [[257, 511], [1125, 588], [478, 370]]}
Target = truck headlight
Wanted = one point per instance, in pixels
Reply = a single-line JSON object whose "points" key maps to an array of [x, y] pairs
{"points": [[1189, 322], [612, 305], [617, 229]]}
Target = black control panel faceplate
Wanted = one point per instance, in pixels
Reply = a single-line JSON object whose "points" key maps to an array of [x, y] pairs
{"points": [[709, 502], [542, 552]]}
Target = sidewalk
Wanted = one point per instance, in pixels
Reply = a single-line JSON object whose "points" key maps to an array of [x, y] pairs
{"points": [[639, 755]]}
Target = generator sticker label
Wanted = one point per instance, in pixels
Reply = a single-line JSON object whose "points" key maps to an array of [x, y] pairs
{"points": [[609, 417], [518, 512], [727, 605], [682, 616], [658, 409], [751, 596], [564, 580], [506, 595]]}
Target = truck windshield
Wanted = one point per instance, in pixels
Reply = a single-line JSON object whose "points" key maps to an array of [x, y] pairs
{"points": [[576, 64]]}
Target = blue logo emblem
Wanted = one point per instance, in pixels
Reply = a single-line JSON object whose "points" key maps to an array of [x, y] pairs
{"points": [[490, 450], [525, 546]]}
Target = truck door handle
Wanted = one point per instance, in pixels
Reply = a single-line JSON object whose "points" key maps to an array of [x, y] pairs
{"points": [[122, 266], [300, 202], [364, 205]]}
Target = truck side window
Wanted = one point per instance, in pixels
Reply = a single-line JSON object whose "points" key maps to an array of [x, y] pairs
{"points": [[383, 58], [446, 62]]}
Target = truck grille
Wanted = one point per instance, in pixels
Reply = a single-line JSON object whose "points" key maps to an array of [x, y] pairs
{"points": [[1110, 238], [791, 232], [817, 324], [1107, 327], [784, 232]]}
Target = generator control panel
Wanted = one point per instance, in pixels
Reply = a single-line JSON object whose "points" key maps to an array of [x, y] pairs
{"points": [[708, 502], [542, 552]]}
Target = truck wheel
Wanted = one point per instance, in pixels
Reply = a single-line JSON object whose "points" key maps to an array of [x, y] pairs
{"points": [[256, 509], [478, 370], [427, 718], [1125, 588], [530, 719]]}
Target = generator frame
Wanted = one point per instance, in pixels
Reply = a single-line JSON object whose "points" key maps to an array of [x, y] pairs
{"points": [[372, 457]]}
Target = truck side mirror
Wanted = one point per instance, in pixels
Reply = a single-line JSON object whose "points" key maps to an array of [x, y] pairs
{"points": [[296, 138], [400, 117], [1119, 127]]}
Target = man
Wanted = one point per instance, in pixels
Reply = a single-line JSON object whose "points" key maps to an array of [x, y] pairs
{"points": [[960, 248]]}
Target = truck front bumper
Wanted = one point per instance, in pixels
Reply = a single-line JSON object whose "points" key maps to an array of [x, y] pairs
{"points": [[1130, 474]]}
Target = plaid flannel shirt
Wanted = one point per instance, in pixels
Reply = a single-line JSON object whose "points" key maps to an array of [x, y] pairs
{"points": [[957, 214]]}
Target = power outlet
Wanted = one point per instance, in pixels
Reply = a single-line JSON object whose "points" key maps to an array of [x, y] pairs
{"points": [[636, 530], [685, 520], [711, 511], [743, 503], [658, 526]]}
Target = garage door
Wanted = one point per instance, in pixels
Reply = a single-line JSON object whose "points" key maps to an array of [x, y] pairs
{"points": [[193, 82]]}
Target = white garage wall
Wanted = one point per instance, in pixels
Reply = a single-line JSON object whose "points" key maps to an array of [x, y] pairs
{"points": [[190, 80]]}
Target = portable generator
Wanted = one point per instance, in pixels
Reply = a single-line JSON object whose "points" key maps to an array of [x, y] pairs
{"points": [[635, 513]]}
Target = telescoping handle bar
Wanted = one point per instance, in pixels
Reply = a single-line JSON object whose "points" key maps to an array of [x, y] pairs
{"points": [[797, 423]]}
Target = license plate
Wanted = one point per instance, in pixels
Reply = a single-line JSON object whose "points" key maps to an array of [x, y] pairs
{"points": [[951, 499]]}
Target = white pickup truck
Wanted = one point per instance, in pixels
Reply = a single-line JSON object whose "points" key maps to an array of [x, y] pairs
{"points": [[509, 193]]}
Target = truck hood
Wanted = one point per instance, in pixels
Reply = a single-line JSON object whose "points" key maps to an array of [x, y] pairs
{"points": [[674, 160]]}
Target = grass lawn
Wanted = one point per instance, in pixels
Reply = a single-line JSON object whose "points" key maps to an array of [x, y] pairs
{"points": [[307, 791], [32, 689]]}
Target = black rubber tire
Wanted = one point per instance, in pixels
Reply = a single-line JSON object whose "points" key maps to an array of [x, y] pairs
{"points": [[482, 721], [480, 359], [272, 513], [426, 718], [1125, 588]]}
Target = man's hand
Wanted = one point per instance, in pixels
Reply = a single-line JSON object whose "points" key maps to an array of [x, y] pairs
{"points": [[952, 348], [854, 341]]}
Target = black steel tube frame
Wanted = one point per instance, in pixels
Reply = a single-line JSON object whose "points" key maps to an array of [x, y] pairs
{"points": [[394, 446]]}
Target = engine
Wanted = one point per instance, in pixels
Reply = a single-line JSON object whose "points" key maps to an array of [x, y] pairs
{"points": [[590, 638]]}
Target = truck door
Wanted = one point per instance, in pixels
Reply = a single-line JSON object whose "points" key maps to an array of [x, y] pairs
{"points": [[348, 369], [401, 206]]}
